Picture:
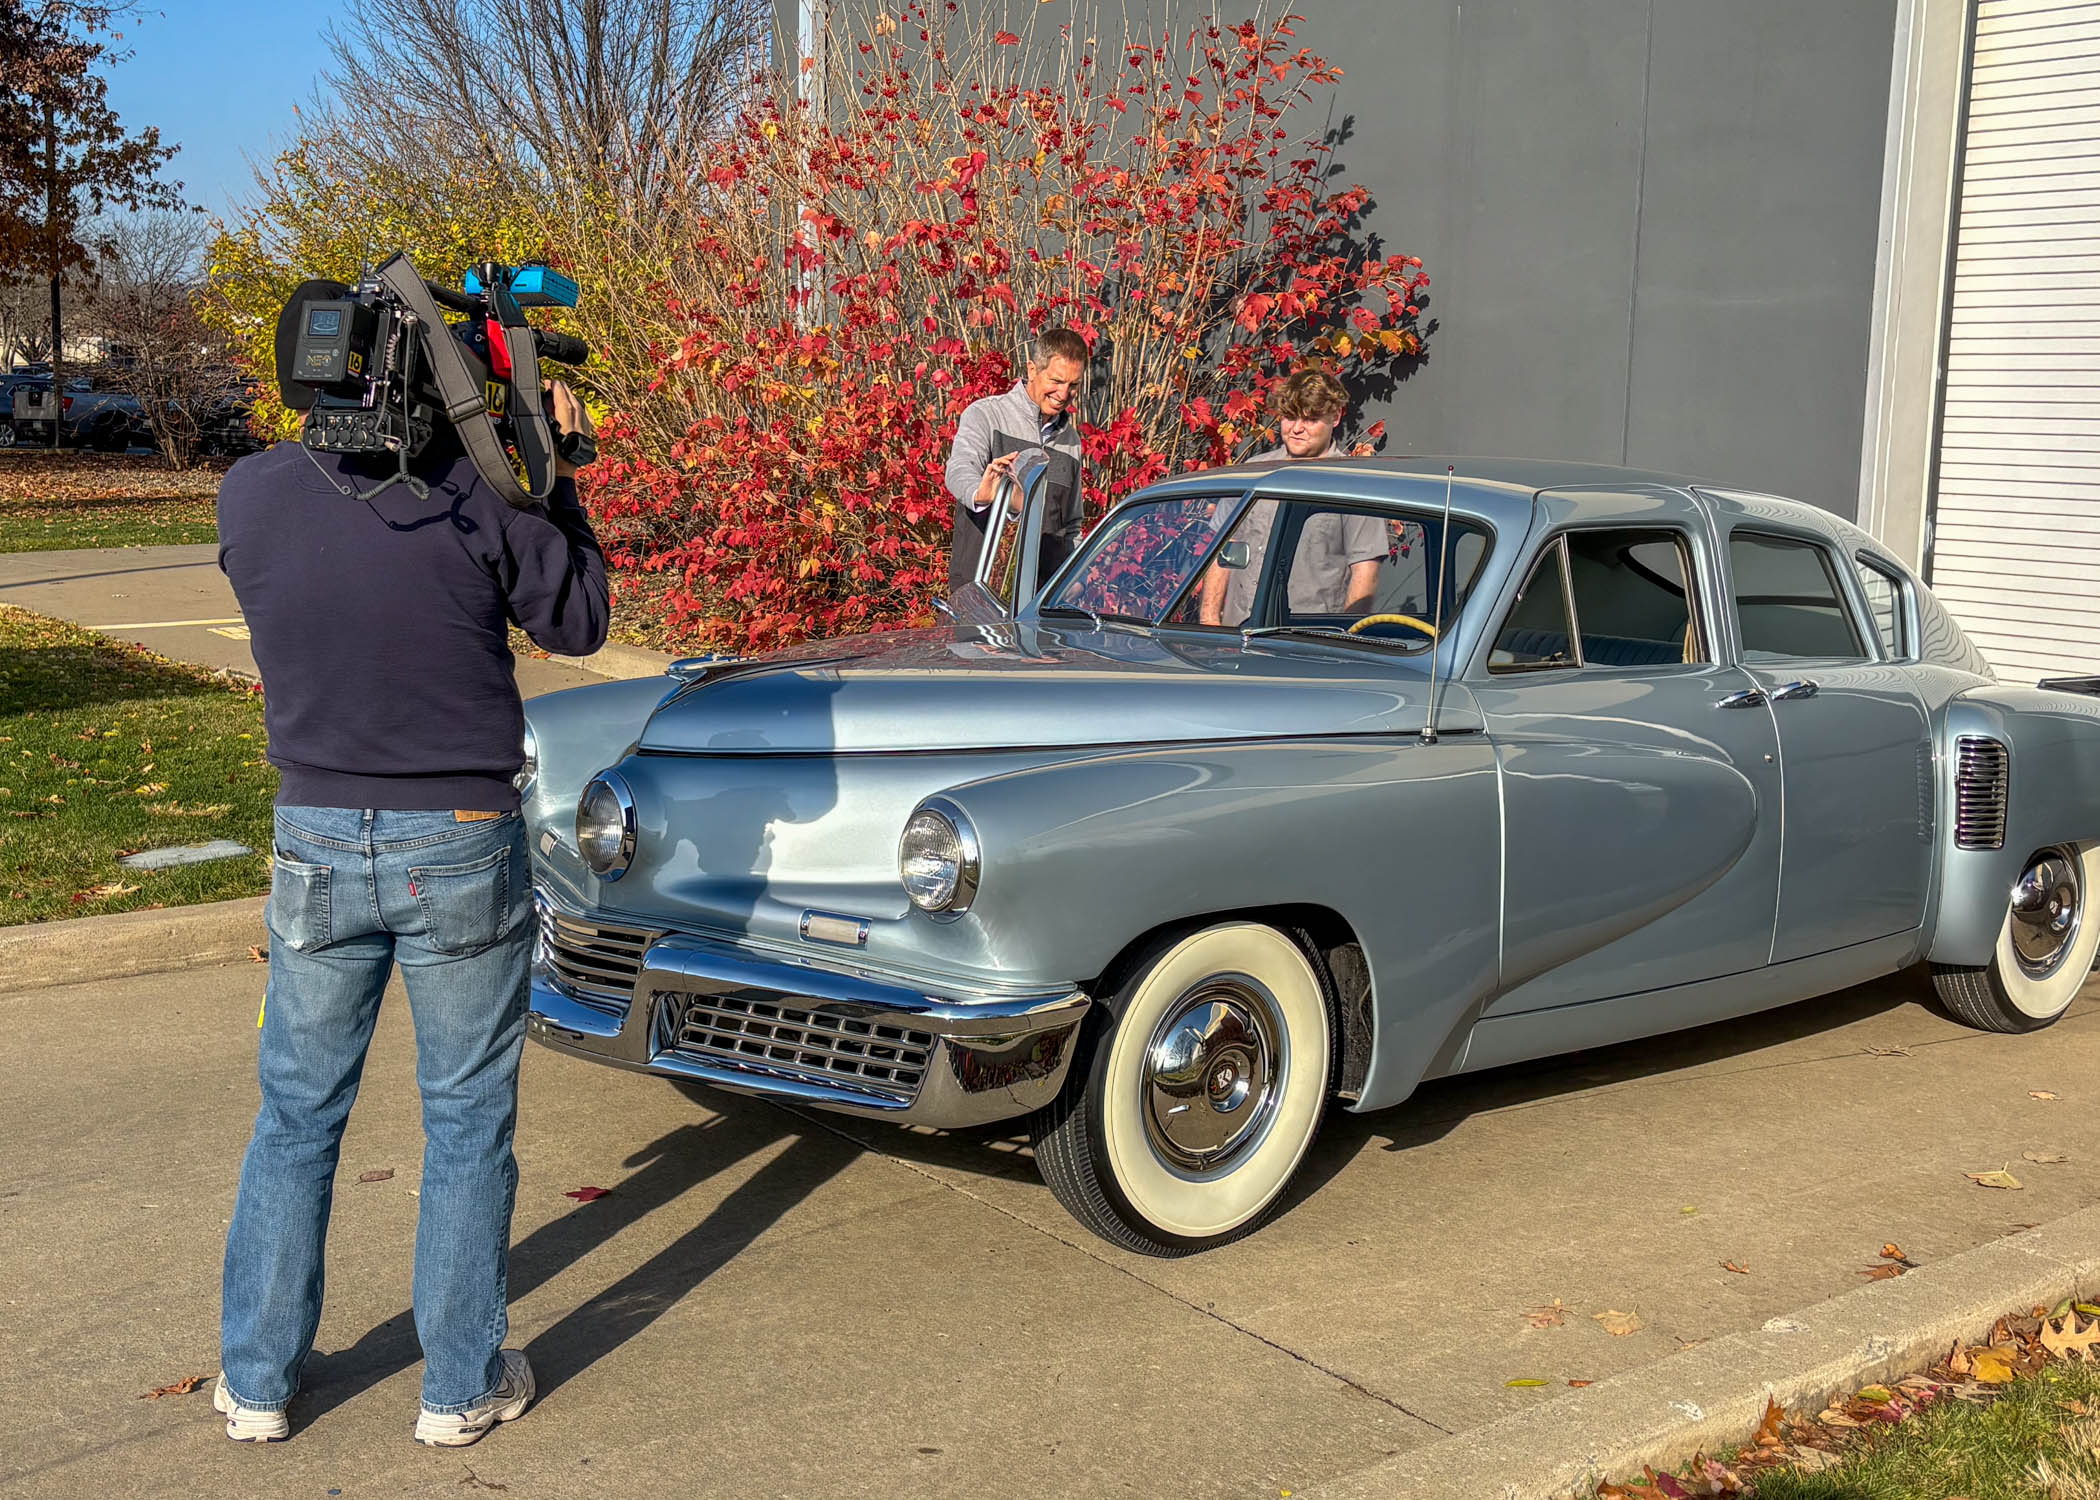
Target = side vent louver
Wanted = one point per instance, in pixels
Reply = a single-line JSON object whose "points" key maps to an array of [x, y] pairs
{"points": [[1979, 793]]}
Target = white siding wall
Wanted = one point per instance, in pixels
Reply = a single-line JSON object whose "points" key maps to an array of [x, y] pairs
{"points": [[2016, 538]]}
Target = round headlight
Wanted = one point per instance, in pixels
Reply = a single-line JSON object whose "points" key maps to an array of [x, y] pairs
{"points": [[531, 766], [605, 826], [937, 857]]}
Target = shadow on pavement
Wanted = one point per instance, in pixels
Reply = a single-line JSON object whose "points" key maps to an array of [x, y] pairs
{"points": [[662, 1172]]}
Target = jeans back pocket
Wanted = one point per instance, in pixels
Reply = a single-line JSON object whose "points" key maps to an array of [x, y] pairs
{"points": [[297, 911], [466, 907]]}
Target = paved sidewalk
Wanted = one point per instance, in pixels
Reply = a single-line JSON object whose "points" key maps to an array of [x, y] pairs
{"points": [[772, 1304], [174, 600]]}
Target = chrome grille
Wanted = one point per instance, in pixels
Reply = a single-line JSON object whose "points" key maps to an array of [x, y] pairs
{"points": [[594, 961], [1979, 793], [820, 1046]]}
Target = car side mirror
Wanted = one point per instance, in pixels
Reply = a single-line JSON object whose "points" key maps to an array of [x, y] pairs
{"points": [[1235, 555]]}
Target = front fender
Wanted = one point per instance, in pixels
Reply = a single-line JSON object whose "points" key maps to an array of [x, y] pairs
{"points": [[579, 732], [2052, 745], [1400, 838]]}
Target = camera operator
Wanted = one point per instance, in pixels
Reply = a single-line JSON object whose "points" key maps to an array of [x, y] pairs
{"points": [[381, 629]]}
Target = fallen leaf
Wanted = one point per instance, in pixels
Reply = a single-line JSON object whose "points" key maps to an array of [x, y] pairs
{"points": [[1689, 1208], [2066, 1340], [2044, 1158], [1892, 1252], [256, 955], [383, 1174], [1579, 1384], [1729, 1265], [1618, 1324], [108, 889], [1993, 1366], [1888, 1051], [2040, 1094], [1549, 1316], [1882, 1272], [1832, 1417], [1524, 1384], [587, 1194], [1998, 1179], [1958, 1359], [181, 1387], [1768, 1434]]}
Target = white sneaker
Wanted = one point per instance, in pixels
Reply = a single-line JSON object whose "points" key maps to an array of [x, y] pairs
{"points": [[244, 1424], [456, 1429]]}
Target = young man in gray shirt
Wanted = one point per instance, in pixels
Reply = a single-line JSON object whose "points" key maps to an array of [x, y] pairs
{"points": [[1039, 412], [1335, 569]]}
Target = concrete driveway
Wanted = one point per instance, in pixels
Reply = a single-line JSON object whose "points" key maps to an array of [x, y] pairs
{"points": [[175, 601], [774, 1304]]}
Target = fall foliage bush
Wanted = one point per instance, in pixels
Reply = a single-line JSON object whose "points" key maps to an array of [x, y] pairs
{"points": [[788, 336]]}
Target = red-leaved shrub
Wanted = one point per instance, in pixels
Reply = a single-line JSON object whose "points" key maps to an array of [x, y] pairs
{"points": [[870, 257]]}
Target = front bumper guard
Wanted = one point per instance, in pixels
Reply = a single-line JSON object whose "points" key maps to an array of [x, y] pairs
{"points": [[993, 1057]]}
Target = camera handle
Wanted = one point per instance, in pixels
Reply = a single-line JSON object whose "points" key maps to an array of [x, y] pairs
{"points": [[465, 399]]}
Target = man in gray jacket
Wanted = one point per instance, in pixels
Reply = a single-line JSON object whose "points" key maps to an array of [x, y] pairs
{"points": [[1039, 412]]}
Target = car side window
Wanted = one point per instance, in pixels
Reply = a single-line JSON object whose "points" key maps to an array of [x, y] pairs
{"points": [[1632, 598], [1787, 601], [1539, 631], [1884, 592]]}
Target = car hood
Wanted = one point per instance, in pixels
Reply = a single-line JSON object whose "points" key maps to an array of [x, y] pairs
{"points": [[968, 687]]}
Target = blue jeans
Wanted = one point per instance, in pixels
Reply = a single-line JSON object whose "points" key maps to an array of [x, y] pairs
{"points": [[353, 892]]}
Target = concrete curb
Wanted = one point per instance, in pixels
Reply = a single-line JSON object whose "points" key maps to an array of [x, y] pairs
{"points": [[615, 660], [1714, 1395], [130, 942]]}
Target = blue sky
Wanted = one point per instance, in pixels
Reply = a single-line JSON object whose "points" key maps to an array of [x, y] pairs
{"points": [[220, 78]]}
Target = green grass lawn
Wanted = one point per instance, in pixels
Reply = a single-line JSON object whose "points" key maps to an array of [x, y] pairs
{"points": [[106, 749], [27, 526], [1978, 1452]]}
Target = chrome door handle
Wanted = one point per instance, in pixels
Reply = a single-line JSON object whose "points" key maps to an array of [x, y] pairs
{"points": [[1804, 688], [1747, 698]]}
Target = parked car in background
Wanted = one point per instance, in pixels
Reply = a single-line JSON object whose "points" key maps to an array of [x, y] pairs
{"points": [[1588, 754], [90, 418]]}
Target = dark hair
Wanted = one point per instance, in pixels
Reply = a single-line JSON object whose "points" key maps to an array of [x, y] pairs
{"points": [[1311, 393], [1057, 343]]}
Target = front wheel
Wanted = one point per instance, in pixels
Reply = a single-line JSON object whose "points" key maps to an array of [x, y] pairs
{"points": [[1186, 1117], [2045, 946]]}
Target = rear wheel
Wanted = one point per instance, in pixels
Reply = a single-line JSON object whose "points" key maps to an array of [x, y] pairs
{"points": [[1185, 1118], [2045, 946]]}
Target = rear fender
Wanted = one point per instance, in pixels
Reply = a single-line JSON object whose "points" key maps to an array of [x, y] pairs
{"points": [[2052, 742]]}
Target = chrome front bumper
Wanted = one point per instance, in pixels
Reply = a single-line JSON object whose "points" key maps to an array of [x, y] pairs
{"points": [[729, 1017]]}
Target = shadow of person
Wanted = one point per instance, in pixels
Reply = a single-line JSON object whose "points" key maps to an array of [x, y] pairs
{"points": [[661, 1173], [609, 1319]]}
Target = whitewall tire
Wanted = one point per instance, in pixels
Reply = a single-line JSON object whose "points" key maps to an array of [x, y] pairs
{"points": [[1188, 1113], [2046, 946]]}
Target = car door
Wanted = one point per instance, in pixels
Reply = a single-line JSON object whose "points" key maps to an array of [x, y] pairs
{"points": [[1855, 745], [1639, 770], [1013, 546]]}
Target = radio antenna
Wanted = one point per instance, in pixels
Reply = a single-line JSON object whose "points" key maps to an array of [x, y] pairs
{"points": [[1443, 569]]}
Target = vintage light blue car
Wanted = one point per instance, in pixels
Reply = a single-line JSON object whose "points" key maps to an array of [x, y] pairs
{"points": [[1301, 783]]}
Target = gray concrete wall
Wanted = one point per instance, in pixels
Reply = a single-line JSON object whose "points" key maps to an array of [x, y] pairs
{"points": [[1650, 225]]}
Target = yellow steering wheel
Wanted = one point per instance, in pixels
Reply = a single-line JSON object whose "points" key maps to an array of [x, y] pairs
{"points": [[1369, 620]]}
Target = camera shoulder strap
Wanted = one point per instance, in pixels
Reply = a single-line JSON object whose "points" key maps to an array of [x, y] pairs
{"points": [[464, 397]]}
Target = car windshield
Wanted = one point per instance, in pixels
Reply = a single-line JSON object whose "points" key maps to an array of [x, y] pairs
{"points": [[1140, 558]]}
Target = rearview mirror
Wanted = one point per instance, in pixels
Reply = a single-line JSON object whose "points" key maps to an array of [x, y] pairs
{"points": [[1235, 555]]}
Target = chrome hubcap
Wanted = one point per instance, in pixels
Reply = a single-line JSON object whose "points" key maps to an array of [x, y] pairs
{"points": [[2046, 907], [1212, 1073]]}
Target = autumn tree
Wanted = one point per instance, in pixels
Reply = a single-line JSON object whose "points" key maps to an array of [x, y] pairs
{"points": [[65, 157], [144, 306]]}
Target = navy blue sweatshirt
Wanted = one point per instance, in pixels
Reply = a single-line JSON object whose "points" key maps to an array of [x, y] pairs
{"points": [[380, 626]]}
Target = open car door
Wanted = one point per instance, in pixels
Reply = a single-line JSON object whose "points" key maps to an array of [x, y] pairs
{"points": [[1017, 558]]}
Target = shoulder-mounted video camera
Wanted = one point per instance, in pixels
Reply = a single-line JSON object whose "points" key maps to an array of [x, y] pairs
{"points": [[378, 366]]}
